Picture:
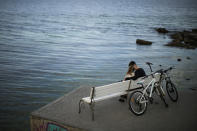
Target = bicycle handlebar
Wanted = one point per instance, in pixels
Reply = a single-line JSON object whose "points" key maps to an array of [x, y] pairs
{"points": [[152, 74], [168, 69], [149, 64]]}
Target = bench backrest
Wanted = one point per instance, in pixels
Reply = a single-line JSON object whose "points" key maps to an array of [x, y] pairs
{"points": [[114, 88]]}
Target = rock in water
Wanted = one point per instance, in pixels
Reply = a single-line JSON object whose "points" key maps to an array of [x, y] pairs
{"points": [[161, 30], [178, 59], [143, 42], [177, 36], [184, 39], [188, 58]]}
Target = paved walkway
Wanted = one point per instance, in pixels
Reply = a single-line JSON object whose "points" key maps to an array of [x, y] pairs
{"points": [[111, 115]]}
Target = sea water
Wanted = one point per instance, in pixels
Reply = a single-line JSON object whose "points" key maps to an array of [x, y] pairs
{"points": [[51, 47]]}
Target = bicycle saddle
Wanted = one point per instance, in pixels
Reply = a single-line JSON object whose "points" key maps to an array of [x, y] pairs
{"points": [[149, 63]]}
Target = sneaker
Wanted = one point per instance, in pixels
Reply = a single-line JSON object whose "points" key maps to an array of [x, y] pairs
{"points": [[124, 96], [121, 100]]}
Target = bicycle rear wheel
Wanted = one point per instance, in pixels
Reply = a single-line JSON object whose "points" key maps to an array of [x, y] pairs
{"points": [[137, 103], [172, 91]]}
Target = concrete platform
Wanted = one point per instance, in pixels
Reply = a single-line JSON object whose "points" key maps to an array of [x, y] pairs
{"points": [[111, 115]]}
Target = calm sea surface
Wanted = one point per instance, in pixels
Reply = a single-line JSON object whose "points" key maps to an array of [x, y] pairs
{"points": [[51, 47]]}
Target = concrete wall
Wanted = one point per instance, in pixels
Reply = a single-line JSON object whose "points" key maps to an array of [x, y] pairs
{"points": [[40, 124]]}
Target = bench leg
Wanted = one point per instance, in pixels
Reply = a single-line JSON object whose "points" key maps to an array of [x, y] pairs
{"points": [[92, 110], [80, 106]]}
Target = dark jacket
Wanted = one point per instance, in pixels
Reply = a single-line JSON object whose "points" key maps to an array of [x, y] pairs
{"points": [[138, 73]]}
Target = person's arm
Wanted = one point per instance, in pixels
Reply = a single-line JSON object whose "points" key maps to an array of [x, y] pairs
{"points": [[138, 73], [134, 77]]}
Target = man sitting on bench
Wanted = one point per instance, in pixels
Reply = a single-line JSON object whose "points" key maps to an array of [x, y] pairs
{"points": [[134, 72]]}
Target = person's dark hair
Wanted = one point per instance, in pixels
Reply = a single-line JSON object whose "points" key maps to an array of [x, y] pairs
{"points": [[132, 63]]}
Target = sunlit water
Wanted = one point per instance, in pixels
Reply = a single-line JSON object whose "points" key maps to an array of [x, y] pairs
{"points": [[48, 48]]}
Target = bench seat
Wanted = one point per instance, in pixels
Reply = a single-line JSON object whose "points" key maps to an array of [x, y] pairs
{"points": [[88, 99]]}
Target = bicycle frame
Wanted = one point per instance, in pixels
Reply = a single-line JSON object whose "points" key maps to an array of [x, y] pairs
{"points": [[151, 85]]}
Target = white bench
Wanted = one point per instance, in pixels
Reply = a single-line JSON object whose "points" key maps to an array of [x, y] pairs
{"points": [[108, 91]]}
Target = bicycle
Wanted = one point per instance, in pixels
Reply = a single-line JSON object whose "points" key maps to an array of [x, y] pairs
{"points": [[170, 86], [138, 100]]}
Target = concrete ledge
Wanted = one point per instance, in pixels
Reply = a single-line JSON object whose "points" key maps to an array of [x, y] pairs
{"points": [[111, 115], [43, 124]]}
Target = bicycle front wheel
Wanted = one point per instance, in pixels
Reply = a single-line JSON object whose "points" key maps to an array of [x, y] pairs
{"points": [[172, 91], [137, 103]]}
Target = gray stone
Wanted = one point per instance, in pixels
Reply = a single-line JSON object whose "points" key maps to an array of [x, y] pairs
{"points": [[143, 42], [161, 30]]}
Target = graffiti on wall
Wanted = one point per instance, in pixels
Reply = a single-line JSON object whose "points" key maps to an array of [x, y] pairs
{"points": [[54, 127], [45, 125]]}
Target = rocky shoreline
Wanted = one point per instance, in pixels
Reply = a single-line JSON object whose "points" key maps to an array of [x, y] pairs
{"points": [[182, 39]]}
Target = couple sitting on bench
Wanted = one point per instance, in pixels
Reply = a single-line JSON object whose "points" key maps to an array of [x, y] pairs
{"points": [[133, 73], [104, 92]]}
